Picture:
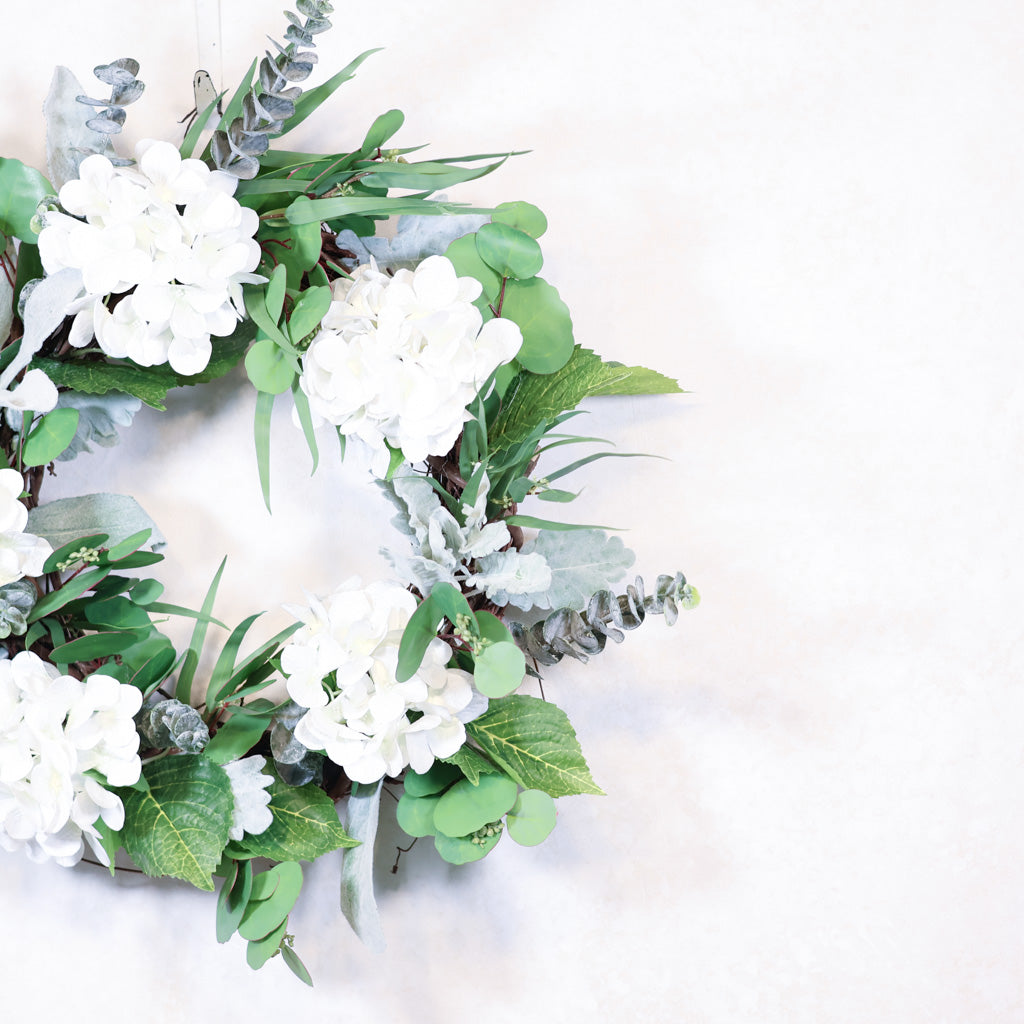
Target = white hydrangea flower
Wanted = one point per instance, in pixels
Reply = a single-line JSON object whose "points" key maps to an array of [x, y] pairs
{"points": [[21, 554], [169, 238], [399, 358], [53, 729], [360, 718], [251, 811]]}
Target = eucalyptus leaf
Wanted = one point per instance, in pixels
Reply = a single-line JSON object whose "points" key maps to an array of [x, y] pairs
{"points": [[50, 436], [510, 252], [465, 808], [532, 818], [22, 188], [545, 323]]}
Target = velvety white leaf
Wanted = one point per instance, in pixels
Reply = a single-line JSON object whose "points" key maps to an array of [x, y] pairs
{"points": [[99, 416], [117, 515], [69, 140], [358, 903], [510, 577], [582, 562]]}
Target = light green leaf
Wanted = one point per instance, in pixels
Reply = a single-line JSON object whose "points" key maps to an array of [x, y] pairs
{"points": [[305, 825], [524, 216], [233, 898], [466, 259], [511, 252], [269, 367], [462, 850], [179, 827], [532, 818], [499, 669], [21, 189], [545, 322], [471, 762], [263, 916], [258, 952], [534, 742], [465, 808], [236, 737], [51, 436], [415, 814]]}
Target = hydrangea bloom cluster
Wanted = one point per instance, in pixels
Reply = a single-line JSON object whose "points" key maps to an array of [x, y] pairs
{"points": [[167, 238], [399, 358], [341, 665], [54, 729], [21, 554]]}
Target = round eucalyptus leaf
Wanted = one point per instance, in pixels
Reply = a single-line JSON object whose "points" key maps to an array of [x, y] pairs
{"points": [[466, 808], [544, 319], [415, 815], [467, 263], [512, 253], [499, 669], [524, 216], [459, 850], [439, 777], [532, 818], [259, 952], [268, 368]]}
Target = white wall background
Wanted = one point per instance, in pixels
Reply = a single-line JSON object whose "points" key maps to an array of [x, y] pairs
{"points": [[811, 214]]}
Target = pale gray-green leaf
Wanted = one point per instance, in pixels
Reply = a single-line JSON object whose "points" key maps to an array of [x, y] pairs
{"points": [[358, 903], [512, 577], [582, 562], [68, 139], [117, 515], [99, 416]]}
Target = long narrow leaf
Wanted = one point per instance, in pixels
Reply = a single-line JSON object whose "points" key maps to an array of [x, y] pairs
{"points": [[261, 433], [226, 661], [183, 691], [533, 523], [565, 470], [188, 144], [163, 608], [309, 101], [306, 420], [56, 599]]}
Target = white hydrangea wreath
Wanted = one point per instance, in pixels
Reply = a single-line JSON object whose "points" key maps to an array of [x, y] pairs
{"points": [[442, 353]]}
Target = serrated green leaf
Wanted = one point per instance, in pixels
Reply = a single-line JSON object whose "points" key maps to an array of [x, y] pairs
{"points": [[534, 742], [180, 826], [533, 399], [305, 825], [471, 762]]}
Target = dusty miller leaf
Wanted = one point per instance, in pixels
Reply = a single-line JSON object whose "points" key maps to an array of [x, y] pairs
{"points": [[513, 577], [358, 903], [69, 140], [581, 561], [117, 515], [99, 416]]}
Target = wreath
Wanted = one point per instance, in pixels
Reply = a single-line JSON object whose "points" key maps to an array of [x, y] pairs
{"points": [[440, 352]]}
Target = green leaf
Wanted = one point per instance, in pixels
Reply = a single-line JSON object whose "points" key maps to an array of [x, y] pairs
{"points": [[533, 399], [76, 587], [382, 129], [63, 553], [180, 826], [273, 296], [415, 815], [466, 260], [93, 646], [21, 190], [461, 850], [511, 252], [305, 825], [535, 523], [225, 666], [263, 916], [499, 669], [269, 367], [532, 818], [471, 763], [440, 776], [188, 144], [308, 312], [261, 435], [150, 385], [545, 322], [183, 690], [258, 952], [465, 808], [232, 899], [295, 965], [236, 737], [534, 742], [419, 631], [524, 216], [51, 436]]}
